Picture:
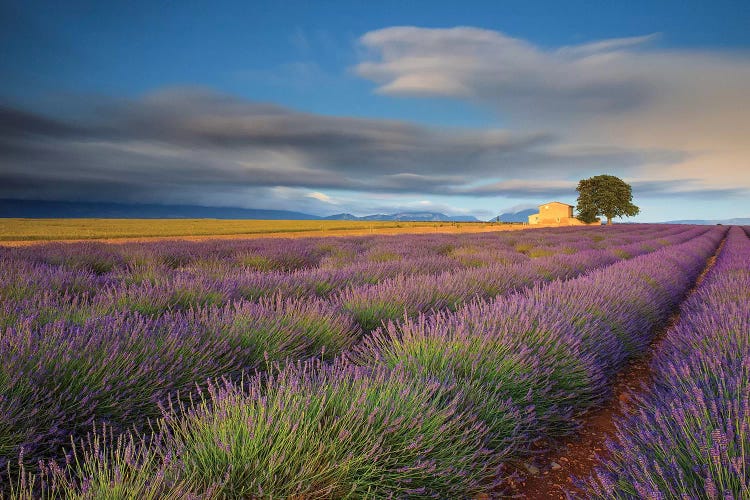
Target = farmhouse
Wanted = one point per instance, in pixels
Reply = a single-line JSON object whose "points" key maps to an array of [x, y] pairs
{"points": [[555, 213]]}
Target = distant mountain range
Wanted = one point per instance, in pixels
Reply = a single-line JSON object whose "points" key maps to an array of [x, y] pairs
{"points": [[737, 221], [38, 209], [520, 216], [407, 216]]}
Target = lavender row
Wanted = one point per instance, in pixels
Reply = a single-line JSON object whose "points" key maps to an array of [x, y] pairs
{"points": [[260, 254], [392, 287], [409, 296], [309, 430], [689, 436], [430, 408], [288, 255], [52, 293], [124, 361], [78, 268], [552, 351], [117, 369]]}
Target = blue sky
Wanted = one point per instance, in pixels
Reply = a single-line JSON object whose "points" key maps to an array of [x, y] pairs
{"points": [[461, 107]]}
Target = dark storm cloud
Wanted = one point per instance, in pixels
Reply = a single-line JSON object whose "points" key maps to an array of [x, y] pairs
{"points": [[523, 189], [195, 141], [16, 123]]}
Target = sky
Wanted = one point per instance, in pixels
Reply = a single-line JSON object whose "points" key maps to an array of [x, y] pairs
{"points": [[466, 108]]}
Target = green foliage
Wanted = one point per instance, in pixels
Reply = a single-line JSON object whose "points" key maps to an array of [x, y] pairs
{"points": [[523, 248], [541, 252], [371, 314], [342, 432], [257, 262], [104, 467], [384, 256], [605, 195]]}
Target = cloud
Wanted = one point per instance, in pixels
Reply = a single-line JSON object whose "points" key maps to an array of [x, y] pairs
{"points": [[623, 92], [174, 144], [518, 188], [322, 197], [608, 45], [544, 189], [403, 204], [689, 189], [17, 123], [515, 76], [673, 123], [512, 209]]}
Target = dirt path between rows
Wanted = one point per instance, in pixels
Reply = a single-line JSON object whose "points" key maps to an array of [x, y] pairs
{"points": [[286, 234], [552, 473]]}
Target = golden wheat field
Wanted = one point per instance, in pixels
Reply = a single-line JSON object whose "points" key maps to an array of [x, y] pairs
{"points": [[19, 230]]}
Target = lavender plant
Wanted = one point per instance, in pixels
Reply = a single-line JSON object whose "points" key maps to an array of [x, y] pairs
{"points": [[689, 436], [56, 381], [521, 360], [322, 431]]}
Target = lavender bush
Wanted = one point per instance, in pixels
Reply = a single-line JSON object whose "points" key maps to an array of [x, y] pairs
{"points": [[690, 434], [525, 348], [59, 379], [336, 431], [389, 300], [308, 430]]}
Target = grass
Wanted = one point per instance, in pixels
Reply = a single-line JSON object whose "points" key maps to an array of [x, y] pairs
{"points": [[81, 229]]}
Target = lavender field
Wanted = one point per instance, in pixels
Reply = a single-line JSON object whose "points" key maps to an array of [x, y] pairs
{"points": [[690, 437], [419, 366]]}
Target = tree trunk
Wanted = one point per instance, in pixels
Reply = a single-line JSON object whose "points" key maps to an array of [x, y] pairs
{"points": [[609, 221]]}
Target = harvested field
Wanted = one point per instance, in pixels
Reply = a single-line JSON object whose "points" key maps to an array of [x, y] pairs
{"points": [[17, 232]]}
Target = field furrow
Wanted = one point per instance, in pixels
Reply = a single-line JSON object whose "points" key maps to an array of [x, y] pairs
{"points": [[688, 435]]}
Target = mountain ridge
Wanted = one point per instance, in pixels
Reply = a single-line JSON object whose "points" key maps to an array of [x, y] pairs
{"points": [[45, 209], [519, 216]]}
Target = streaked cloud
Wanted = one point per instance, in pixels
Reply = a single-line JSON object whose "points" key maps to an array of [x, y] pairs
{"points": [[543, 189], [322, 197], [520, 188], [194, 140]]}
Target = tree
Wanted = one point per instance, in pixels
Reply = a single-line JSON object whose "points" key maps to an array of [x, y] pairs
{"points": [[605, 195]]}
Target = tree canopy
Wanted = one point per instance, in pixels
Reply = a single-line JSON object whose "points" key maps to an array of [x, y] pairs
{"points": [[605, 195]]}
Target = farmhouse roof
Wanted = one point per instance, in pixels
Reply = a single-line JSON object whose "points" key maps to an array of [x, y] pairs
{"points": [[558, 202]]}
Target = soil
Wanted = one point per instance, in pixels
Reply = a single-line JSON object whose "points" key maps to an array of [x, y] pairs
{"points": [[580, 454]]}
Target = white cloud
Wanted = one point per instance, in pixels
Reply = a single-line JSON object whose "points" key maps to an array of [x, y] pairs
{"points": [[504, 71], [622, 93], [322, 197], [608, 45]]}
